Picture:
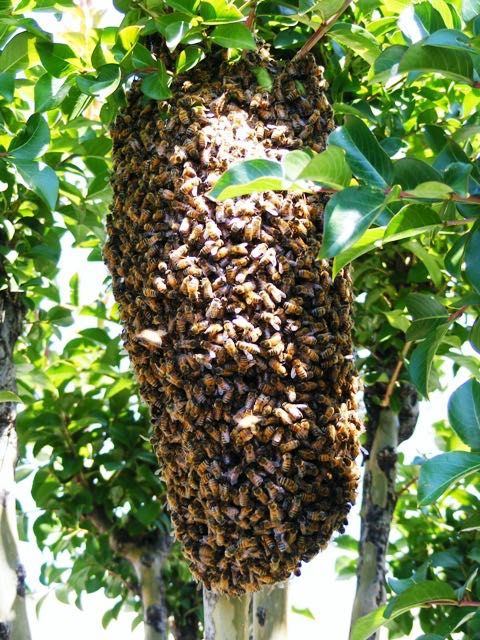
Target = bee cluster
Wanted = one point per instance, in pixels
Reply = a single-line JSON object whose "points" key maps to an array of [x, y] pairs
{"points": [[239, 338]]}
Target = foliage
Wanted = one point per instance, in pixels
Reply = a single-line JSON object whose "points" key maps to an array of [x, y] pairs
{"points": [[84, 431]]}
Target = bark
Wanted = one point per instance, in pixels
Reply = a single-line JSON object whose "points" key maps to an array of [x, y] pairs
{"points": [[226, 618], [385, 431], [13, 612], [148, 564], [270, 613], [188, 629]]}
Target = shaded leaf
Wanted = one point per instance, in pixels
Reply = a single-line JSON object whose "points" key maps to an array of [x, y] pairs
{"points": [[42, 180], [418, 595], [236, 36], [428, 59], [329, 168], [32, 140], [421, 359], [248, 177], [367, 159], [439, 473], [464, 412], [347, 216]]}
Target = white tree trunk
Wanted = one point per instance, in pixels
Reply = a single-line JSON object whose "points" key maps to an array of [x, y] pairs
{"points": [[270, 613], [13, 612], [226, 618]]}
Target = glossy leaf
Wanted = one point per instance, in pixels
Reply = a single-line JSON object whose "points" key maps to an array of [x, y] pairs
{"points": [[15, 54], [419, 595], [57, 59], [248, 177], [8, 396], [329, 168], [347, 216], [236, 36], [42, 180], [189, 58], [422, 358], [357, 38], [104, 83], [438, 474], [429, 59], [367, 159], [464, 412], [472, 257], [155, 85], [32, 141]]}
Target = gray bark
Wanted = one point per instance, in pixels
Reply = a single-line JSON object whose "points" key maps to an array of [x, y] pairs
{"points": [[226, 618], [385, 431], [13, 612], [148, 563], [270, 613]]}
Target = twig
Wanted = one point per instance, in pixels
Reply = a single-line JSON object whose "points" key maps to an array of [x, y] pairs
{"points": [[454, 223], [456, 314], [396, 372], [321, 31], [406, 487], [250, 21]]}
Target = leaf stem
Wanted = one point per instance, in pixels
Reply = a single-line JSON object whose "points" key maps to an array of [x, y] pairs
{"points": [[396, 372], [321, 31], [456, 314], [250, 21]]}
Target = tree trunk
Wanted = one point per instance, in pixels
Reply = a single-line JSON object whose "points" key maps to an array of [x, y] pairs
{"points": [[270, 613], [13, 612], [148, 563], [188, 629], [385, 431], [226, 618]]}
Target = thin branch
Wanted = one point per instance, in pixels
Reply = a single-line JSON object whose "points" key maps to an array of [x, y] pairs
{"points": [[454, 223], [250, 21], [396, 372], [456, 314], [455, 603], [321, 31]]}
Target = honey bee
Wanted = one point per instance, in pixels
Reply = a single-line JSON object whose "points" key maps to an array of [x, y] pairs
{"points": [[277, 367], [254, 478], [249, 453], [243, 495], [290, 445], [286, 463], [267, 465]]}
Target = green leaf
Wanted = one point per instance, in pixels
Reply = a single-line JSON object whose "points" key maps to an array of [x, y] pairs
{"points": [[101, 84], [185, 6], [431, 190], [216, 12], [304, 612], [58, 59], [188, 58], [347, 216], [365, 626], [411, 220], [475, 335], [263, 78], [371, 239], [7, 86], [367, 159], [236, 36], [386, 65], [428, 59], [294, 163], [50, 92], [420, 594], [16, 53], [32, 140], [175, 32], [470, 9], [472, 257], [410, 172], [141, 57], [128, 36], [248, 177], [42, 180], [423, 305], [329, 168], [155, 85], [464, 412], [8, 396], [356, 38], [439, 473], [421, 359]]}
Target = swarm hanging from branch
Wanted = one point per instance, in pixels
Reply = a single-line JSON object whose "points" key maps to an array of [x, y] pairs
{"points": [[238, 336]]}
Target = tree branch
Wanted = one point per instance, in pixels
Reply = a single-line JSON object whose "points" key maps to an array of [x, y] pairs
{"points": [[396, 372], [321, 31]]}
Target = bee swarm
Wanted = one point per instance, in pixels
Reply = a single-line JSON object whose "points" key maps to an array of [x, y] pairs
{"points": [[238, 336]]}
